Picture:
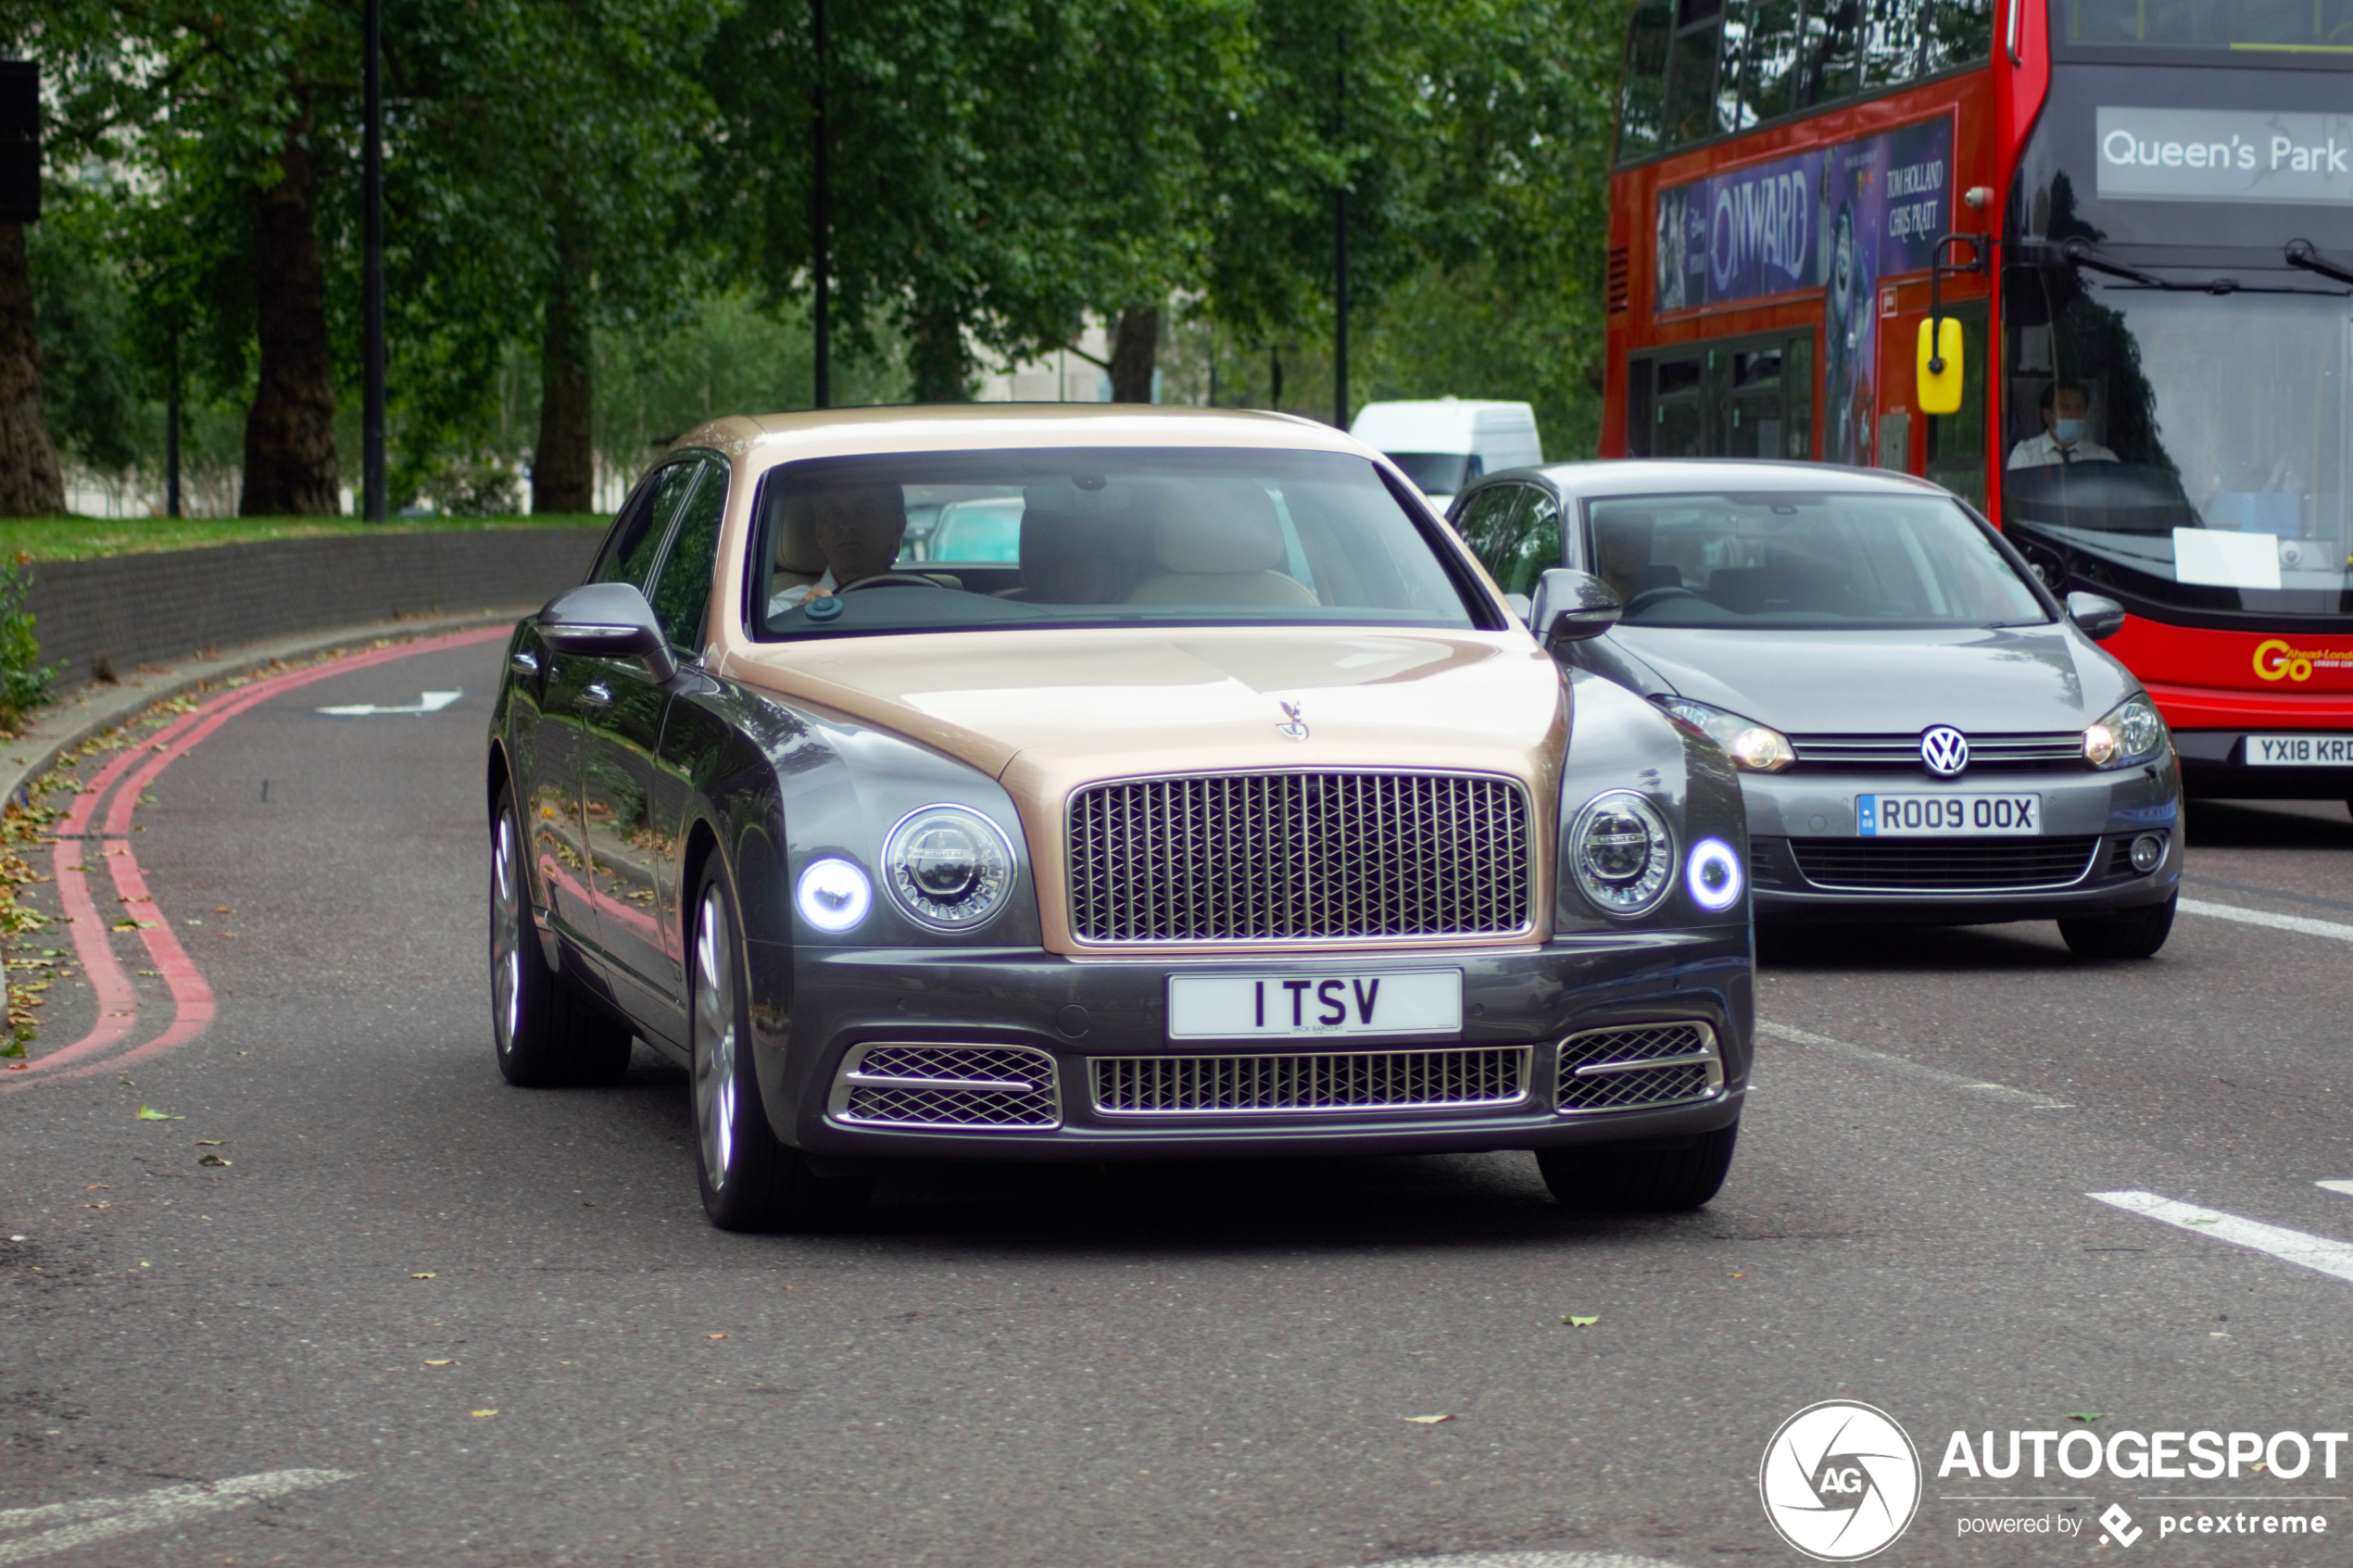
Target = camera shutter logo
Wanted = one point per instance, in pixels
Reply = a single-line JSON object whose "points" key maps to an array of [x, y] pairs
{"points": [[1841, 1481], [1944, 750]]}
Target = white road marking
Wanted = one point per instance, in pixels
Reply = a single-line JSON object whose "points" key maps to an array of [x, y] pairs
{"points": [[2316, 1252], [1905, 1067], [427, 702], [1527, 1559], [2302, 925], [2345, 1187], [99, 1519]]}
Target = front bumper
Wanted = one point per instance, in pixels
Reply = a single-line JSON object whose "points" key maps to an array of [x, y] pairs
{"points": [[813, 1009], [1801, 822]]}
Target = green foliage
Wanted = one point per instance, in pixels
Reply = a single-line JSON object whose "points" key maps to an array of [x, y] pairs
{"points": [[24, 679], [81, 311]]}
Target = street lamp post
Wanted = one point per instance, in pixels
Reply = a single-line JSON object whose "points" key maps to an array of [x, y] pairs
{"points": [[1339, 237], [372, 272]]}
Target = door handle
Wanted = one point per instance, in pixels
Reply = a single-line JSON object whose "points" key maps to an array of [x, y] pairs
{"points": [[596, 693], [524, 663]]}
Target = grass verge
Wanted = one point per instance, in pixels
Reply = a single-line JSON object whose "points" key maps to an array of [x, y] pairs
{"points": [[82, 538]]}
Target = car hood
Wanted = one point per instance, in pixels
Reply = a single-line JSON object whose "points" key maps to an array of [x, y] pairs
{"points": [[1051, 708], [2004, 679]]}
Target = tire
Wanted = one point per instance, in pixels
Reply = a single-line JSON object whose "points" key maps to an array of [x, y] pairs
{"points": [[2136, 933], [750, 1180], [1602, 1181], [548, 1034]]}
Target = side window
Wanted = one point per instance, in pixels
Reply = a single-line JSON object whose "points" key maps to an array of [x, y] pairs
{"points": [[1535, 543], [1485, 524], [636, 543], [682, 594]]}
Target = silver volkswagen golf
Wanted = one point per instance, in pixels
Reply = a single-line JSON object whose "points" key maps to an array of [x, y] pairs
{"points": [[1922, 731]]}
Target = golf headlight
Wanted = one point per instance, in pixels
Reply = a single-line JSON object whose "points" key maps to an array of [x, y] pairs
{"points": [[1753, 748], [1713, 875], [834, 896], [2130, 732], [1620, 854], [947, 866]]}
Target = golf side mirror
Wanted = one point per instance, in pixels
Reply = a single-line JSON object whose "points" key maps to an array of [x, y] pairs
{"points": [[1571, 606], [2096, 615], [607, 620]]}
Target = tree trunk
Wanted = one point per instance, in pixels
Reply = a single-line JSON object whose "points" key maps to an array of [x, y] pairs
{"points": [[941, 363], [563, 469], [30, 482], [290, 431], [1133, 353]]}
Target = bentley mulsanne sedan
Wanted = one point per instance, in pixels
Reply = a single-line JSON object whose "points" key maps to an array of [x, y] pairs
{"points": [[1222, 806]]}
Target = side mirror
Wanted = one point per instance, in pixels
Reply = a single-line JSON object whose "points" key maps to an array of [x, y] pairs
{"points": [[1571, 606], [607, 620], [1938, 373], [2097, 616]]}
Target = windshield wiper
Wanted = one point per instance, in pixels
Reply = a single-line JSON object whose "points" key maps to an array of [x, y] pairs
{"points": [[2304, 255], [2082, 255]]}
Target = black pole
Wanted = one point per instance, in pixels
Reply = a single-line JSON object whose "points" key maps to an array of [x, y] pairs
{"points": [[371, 275], [171, 428], [820, 222], [1274, 394], [1339, 240]]}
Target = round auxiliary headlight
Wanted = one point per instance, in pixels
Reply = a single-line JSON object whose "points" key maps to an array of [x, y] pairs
{"points": [[2147, 850], [834, 896], [1620, 854], [949, 867], [1713, 875]]}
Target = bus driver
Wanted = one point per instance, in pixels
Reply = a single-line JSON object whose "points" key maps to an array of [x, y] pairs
{"points": [[2065, 418]]}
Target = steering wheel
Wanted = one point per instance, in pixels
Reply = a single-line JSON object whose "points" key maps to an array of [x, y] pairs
{"points": [[888, 580], [1650, 596]]}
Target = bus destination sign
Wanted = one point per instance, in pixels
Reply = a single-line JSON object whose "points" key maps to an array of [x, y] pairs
{"points": [[2224, 155]]}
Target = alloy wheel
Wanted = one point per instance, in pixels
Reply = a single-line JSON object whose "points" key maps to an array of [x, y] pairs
{"points": [[505, 937], [714, 1040]]}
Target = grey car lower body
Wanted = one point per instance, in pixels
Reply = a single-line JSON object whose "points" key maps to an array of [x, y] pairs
{"points": [[1085, 1034], [1809, 860]]}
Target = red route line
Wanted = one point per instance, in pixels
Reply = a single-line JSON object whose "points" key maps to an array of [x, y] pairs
{"points": [[191, 998]]}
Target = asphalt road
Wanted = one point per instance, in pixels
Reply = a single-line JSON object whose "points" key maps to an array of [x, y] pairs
{"points": [[1168, 1366]]}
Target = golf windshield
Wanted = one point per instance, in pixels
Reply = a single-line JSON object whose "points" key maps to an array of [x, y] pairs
{"points": [[1811, 562], [964, 540]]}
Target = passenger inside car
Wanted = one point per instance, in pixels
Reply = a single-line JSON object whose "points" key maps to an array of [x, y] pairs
{"points": [[1219, 544]]}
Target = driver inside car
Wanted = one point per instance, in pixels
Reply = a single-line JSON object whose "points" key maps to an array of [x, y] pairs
{"points": [[1623, 547], [858, 529]]}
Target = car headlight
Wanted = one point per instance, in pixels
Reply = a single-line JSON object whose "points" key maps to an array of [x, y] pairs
{"points": [[1754, 747], [834, 896], [1713, 876], [947, 866], [2131, 731], [1620, 853]]}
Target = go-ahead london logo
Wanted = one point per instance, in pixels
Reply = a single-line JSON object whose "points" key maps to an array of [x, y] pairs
{"points": [[1841, 1481]]}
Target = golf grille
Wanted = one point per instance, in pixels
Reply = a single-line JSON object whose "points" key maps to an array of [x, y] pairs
{"points": [[1299, 856], [1164, 1085], [946, 1086], [1637, 1066], [1944, 865], [2011, 751]]}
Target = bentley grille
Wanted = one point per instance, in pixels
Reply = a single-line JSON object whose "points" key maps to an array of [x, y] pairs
{"points": [[1639, 1064], [946, 1086], [1310, 856], [1164, 1085]]}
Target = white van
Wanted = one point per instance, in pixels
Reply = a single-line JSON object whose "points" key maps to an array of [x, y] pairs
{"points": [[1443, 445]]}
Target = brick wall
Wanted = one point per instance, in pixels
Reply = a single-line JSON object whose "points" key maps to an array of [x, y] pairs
{"points": [[127, 611]]}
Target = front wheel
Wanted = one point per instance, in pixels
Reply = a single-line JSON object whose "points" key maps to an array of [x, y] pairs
{"points": [[2136, 933], [1602, 1181], [547, 1033], [750, 1180]]}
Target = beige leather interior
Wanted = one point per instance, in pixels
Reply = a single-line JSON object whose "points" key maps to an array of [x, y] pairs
{"points": [[1219, 544]]}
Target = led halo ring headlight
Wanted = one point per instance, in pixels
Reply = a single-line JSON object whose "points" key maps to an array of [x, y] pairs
{"points": [[1712, 876], [1620, 854], [833, 894], [949, 867]]}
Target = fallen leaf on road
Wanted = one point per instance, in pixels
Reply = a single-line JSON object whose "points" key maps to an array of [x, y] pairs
{"points": [[146, 1114], [423, 1276], [480, 1415], [135, 925], [1575, 1321], [102, 1204], [2086, 1417], [210, 1143], [222, 910], [95, 1187], [210, 1159], [714, 1337], [441, 1363], [1426, 1420], [2208, 1220]]}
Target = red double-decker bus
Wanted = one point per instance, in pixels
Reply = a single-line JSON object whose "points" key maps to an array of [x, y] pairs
{"points": [[2140, 214]]}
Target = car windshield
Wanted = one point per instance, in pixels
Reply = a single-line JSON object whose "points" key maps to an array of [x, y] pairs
{"points": [[2181, 448], [963, 541], [1439, 473], [1808, 561]]}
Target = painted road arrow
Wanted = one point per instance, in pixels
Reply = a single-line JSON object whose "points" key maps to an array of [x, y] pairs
{"points": [[427, 702]]}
